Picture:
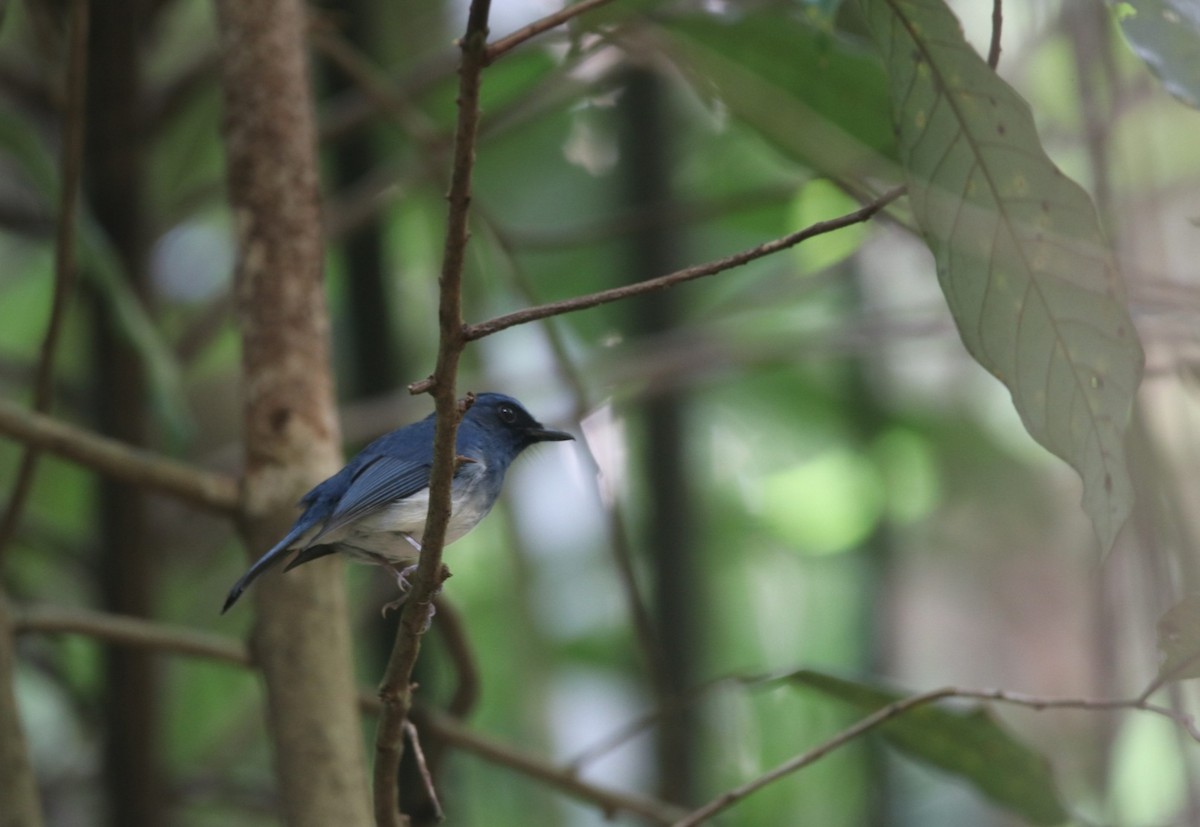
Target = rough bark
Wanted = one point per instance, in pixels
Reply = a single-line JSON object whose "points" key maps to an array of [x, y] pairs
{"points": [[301, 638]]}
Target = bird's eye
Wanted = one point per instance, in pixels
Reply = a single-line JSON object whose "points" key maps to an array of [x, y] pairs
{"points": [[508, 413]]}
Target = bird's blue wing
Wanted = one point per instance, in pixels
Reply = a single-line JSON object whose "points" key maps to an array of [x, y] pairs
{"points": [[381, 481]]}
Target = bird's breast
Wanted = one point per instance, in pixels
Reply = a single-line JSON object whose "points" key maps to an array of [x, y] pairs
{"points": [[383, 533]]}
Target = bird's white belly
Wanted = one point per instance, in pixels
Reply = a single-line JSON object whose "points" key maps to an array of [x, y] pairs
{"points": [[385, 533]]}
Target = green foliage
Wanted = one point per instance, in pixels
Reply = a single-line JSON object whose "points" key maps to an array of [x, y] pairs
{"points": [[1165, 34], [970, 745], [1021, 257], [824, 104]]}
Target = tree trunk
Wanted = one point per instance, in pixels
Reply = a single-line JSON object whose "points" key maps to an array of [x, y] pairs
{"points": [[129, 564], [301, 639]]}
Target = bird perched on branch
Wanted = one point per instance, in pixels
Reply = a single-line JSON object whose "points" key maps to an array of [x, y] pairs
{"points": [[373, 510]]}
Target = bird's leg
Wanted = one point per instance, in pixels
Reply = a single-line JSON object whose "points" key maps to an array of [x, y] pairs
{"points": [[402, 575]]}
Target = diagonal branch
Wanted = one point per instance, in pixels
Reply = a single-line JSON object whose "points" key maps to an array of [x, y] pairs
{"points": [[905, 705], [506, 44], [543, 311], [217, 492]]}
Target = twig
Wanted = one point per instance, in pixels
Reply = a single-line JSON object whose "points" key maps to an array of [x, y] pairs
{"points": [[396, 691], [375, 85], [114, 458], [423, 768], [898, 708], [478, 331], [74, 119], [993, 57], [506, 44], [130, 631], [565, 781]]}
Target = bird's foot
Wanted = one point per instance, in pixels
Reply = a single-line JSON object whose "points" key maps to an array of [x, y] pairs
{"points": [[396, 604], [401, 575]]}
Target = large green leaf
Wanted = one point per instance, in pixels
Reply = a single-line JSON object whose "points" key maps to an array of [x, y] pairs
{"points": [[1020, 253], [971, 745], [1166, 35], [819, 98]]}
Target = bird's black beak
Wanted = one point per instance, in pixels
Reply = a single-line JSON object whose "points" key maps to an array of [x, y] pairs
{"points": [[540, 434]]}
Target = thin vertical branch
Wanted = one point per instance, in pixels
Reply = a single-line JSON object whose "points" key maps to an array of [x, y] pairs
{"points": [[64, 257], [396, 691], [993, 57]]}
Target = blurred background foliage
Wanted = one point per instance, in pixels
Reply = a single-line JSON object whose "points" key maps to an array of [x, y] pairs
{"points": [[800, 460]]}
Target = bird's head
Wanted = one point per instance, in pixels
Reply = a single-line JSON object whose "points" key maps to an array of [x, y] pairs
{"points": [[504, 419]]}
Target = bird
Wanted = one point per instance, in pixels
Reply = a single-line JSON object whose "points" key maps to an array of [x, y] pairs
{"points": [[374, 509]]}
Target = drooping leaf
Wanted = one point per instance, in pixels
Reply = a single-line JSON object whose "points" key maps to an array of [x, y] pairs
{"points": [[970, 745], [1179, 642], [819, 98], [1166, 35], [1020, 254]]}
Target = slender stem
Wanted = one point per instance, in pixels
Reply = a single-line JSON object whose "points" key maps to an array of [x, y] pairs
{"points": [[543, 311], [74, 119], [396, 691], [900, 707], [114, 458], [993, 57], [128, 631], [506, 44]]}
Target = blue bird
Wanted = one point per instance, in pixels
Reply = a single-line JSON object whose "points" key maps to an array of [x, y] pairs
{"points": [[373, 510]]}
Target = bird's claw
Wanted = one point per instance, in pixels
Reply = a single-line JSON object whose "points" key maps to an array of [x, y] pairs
{"points": [[402, 583]]}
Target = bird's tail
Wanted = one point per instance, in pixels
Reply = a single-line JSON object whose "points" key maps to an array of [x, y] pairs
{"points": [[263, 563]]}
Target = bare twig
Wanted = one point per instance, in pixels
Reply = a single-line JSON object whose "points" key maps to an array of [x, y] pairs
{"points": [[129, 631], [113, 458], [74, 119], [423, 768], [565, 781], [506, 44], [529, 314], [376, 86], [396, 692], [993, 57], [904, 705]]}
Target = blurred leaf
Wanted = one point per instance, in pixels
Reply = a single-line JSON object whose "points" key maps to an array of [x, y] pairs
{"points": [[1166, 35], [843, 502], [970, 745], [814, 95], [1179, 642], [819, 200], [1020, 254]]}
